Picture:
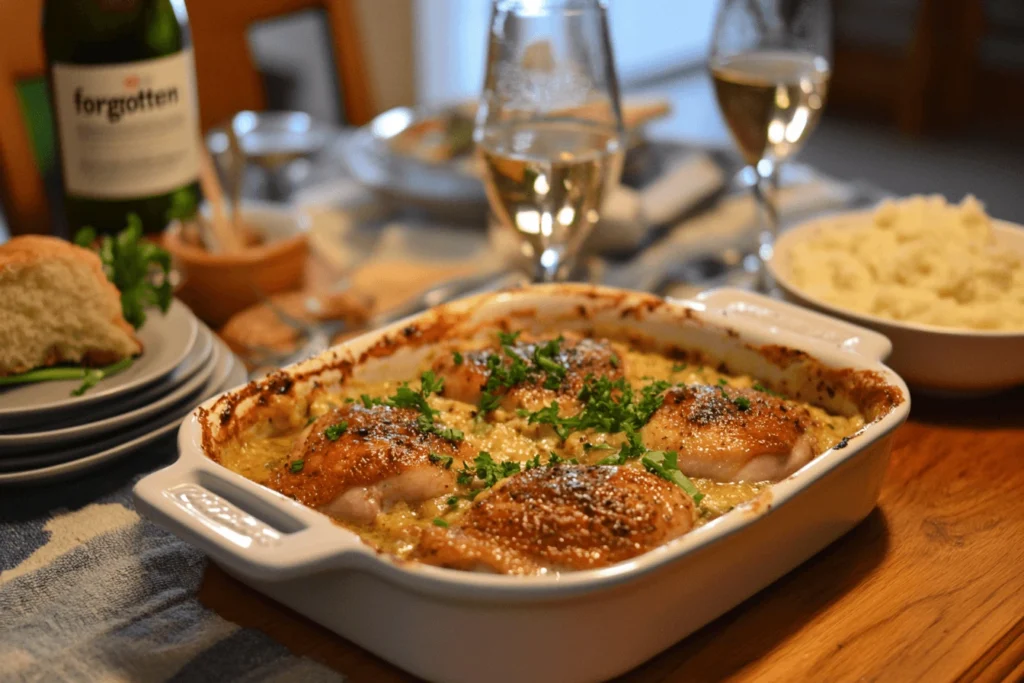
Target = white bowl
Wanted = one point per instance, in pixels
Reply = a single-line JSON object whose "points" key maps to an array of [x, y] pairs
{"points": [[578, 626], [937, 360]]}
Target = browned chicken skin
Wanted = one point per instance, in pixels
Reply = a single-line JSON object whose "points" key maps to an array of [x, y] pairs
{"points": [[731, 434], [382, 457], [565, 517], [580, 357]]}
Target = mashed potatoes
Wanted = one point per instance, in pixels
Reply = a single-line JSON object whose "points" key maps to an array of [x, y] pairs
{"points": [[919, 260]]}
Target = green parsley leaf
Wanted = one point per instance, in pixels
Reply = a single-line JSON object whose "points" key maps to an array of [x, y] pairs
{"points": [[486, 469], [310, 420], [742, 402], [445, 460], [533, 463], [597, 446], [722, 381], [440, 522], [452, 501], [555, 459], [508, 338], [765, 390], [296, 466], [488, 402], [139, 269], [369, 401], [431, 383], [457, 358], [614, 361], [678, 367], [665, 465], [334, 432]]}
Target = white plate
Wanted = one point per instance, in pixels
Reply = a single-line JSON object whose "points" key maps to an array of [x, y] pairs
{"points": [[938, 360], [34, 441], [232, 375], [166, 341], [196, 360]]}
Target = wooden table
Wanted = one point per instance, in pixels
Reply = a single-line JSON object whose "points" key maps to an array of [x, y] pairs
{"points": [[930, 587]]}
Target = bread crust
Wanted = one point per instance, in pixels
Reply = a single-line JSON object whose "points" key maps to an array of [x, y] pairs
{"points": [[28, 250]]}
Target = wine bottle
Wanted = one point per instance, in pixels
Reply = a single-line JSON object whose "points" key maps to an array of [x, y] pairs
{"points": [[122, 83]]}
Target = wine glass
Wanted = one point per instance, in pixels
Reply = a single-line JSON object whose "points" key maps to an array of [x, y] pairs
{"points": [[770, 63], [549, 126]]}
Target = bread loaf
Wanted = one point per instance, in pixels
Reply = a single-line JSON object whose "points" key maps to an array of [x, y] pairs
{"points": [[57, 306]]}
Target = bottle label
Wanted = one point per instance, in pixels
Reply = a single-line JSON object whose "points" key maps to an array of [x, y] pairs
{"points": [[128, 130]]}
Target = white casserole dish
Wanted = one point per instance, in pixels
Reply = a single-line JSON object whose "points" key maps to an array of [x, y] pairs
{"points": [[938, 360], [447, 625]]}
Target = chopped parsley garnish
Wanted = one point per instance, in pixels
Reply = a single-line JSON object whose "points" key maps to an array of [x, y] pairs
{"points": [[452, 501], [349, 399], [722, 381], [311, 420], [369, 401], [334, 432], [505, 375], [608, 406], [457, 358], [440, 522], [488, 402], [508, 338], [741, 402], [614, 361], [555, 459], [665, 465], [596, 446], [544, 360], [485, 468], [678, 367], [445, 460], [295, 466], [765, 390]]}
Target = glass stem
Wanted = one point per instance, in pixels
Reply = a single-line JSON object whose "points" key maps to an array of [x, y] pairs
{"points": [[548, 266], [766, 194]]}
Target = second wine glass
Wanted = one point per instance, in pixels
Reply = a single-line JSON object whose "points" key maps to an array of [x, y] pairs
{"points": [[770, 66], [549, 125]]}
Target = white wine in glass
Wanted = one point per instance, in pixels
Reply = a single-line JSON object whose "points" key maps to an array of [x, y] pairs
{"points": [[769, 63], [546, 179], [771, 100], [549, 126]]}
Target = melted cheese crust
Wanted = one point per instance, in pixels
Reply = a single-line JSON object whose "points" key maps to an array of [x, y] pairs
{"points": [[268, 447]]}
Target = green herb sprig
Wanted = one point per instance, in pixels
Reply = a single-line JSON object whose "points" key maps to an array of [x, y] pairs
{"points": [[90, 376], [665, 465], [138, 268]]}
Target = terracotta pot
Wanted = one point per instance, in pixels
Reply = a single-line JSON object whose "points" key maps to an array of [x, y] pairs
{"points": [[216, 286]]}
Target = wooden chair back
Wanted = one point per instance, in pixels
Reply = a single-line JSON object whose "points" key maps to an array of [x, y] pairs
{"points": [[21, 59], [228, 81]]}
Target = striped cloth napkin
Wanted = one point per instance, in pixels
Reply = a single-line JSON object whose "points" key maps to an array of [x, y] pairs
{"points": [[89, 591]]}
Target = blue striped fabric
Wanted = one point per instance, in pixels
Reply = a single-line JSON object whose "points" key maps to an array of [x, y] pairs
{"points": [[90, 591]]}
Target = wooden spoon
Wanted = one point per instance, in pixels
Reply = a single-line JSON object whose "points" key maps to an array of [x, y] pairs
{"points": [[228, 239]]}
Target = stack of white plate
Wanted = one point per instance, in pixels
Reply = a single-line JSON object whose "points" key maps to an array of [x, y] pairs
{"points": [[47, 433]]}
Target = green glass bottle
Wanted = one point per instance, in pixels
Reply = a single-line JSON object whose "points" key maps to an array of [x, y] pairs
{"points": [[122, 83]]}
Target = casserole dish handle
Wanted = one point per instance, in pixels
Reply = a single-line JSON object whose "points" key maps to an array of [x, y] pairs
{"points": [[241, 525], [738, 303]]}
